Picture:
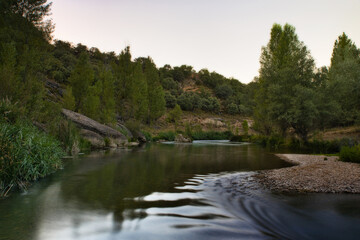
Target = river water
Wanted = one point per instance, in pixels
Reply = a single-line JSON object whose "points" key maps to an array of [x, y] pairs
{"points": [[203, 190]]}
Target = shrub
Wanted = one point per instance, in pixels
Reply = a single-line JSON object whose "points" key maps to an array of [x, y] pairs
{"points": [[211, 135], [26, 154], [350, 154], [147, 136], [170, 100], [223, 91], [168, 136], [175, 114]]}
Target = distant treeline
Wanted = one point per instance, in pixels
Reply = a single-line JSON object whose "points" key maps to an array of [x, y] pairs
{"points": [[289, 95]]}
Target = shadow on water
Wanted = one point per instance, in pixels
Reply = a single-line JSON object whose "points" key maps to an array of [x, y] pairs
{"points": [[203, 190]]}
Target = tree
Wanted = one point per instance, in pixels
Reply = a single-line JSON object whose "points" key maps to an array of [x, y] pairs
{"points": [[123, 79], [107, 99], [286, 73], [344, 80], [9, 83], [68, 99], [81, 78], [156, 98], [175, 114], [139, 91]]}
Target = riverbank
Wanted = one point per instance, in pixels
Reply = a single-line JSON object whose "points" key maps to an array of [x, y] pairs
{"points": [[313, 173]]}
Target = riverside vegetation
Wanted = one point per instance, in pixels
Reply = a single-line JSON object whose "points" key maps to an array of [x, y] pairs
{"points": [[289, 101]]}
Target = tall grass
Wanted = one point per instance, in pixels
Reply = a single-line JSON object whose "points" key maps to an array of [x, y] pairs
{"points": [[26, 154]]}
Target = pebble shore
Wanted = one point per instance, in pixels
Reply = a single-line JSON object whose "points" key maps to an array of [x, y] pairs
{"points": [[312, 173]]}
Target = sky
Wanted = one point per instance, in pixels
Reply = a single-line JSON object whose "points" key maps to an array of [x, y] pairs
{"points": [[225, 36]]}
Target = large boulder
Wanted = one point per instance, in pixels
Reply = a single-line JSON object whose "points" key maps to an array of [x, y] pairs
{"points": [[94, 131], [95, 139], [124, 130]]}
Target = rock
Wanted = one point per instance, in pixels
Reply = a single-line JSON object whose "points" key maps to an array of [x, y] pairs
{"points": [[139, 136], [96, 140], [96, 132], [180, 138], [132, 144], [125, 130]]}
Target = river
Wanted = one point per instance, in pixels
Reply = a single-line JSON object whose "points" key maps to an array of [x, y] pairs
{"points": [[203, 190]]}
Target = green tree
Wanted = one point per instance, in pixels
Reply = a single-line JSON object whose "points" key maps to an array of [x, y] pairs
{"points": [[68, 99], [123, 80], [107, 98], [156, 97], [286, 73], [9, 79], [139, 93], [344, 80], [80, 79], [175, 114]]}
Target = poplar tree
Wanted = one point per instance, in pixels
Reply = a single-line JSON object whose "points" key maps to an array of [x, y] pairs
{"points": [[285, 98], [344, 80], [80, 79], [156, 94]]}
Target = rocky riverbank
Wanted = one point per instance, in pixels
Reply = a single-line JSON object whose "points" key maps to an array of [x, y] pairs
{"points": [[313, 173]]}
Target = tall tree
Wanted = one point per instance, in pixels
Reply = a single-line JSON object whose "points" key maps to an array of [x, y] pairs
{"points": [[107, 100], [81, 78], [286, 74], [156, 98], [123, 80], [139, 93], [344, 80]]}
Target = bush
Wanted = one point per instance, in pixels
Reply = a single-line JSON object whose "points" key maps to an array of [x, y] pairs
{"points": [[211, 135], [147, 136], [26, 155], [350, 154], [223, 91], [170, 100], [175, 114], [168, 136]]}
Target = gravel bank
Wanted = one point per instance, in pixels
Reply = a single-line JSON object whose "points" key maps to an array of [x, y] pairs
{"points": [[313, 174]]}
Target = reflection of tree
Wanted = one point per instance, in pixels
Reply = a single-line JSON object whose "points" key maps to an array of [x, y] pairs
{"points": [[113, 186]]}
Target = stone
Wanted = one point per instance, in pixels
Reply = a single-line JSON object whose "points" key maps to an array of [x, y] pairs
{"points": [[181, 139], [95, 131]]}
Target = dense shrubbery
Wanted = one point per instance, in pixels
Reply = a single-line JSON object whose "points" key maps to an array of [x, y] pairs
{"points": [[350, 154], [168, 136], [211, 135], [26, 155]]}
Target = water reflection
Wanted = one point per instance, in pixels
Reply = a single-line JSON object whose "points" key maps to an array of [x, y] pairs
{"points": [[171, 191]]}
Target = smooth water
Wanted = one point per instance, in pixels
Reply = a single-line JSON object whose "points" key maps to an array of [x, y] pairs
{"points": [[203, 190]]}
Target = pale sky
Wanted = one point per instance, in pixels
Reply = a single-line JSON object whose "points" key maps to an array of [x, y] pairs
{"points": [[225, 36]]}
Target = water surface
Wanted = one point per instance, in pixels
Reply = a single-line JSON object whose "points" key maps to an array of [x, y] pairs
{"points": [[203, 190]]}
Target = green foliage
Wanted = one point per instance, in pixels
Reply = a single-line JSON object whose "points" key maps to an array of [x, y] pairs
{"points": [[107, 98], [69, 100], [245, 127], [285, 98], [211, 135], [9, 112], [175, 114], [167, 136], [350, 154], [26, 155], [344, 81], [81, 78], [223, 91], [170, 100], [148, 136], [156, 98], [139, 94]]}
